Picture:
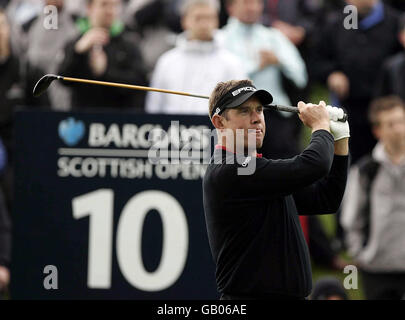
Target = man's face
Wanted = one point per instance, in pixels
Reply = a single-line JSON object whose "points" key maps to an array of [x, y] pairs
{"points": [[200, 21], [363, 6], [103, 13], [247, 116], [391, 128], [246, 11]]}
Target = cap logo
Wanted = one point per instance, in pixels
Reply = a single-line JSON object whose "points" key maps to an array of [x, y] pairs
{"points": [[217, 111], [238, 91]]}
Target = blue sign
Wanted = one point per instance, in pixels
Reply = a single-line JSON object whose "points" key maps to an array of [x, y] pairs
{"points": [[96, 217]]}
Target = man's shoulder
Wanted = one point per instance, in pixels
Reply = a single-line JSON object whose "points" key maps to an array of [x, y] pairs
{"points": [[217, 173], [368, 167], [223, 170], [222, 162], [225, 163], [365, 160]]}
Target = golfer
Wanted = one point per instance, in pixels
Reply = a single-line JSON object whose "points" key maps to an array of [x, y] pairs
{"points": [[252, 219]]}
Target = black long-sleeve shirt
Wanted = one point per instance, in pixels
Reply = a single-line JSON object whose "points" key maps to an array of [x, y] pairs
{"points": [[252, 220]]}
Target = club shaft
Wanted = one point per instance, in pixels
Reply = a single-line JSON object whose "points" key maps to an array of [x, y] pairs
{"points": [[286, 108], [142, 88], [131, 86], [295, 110]]}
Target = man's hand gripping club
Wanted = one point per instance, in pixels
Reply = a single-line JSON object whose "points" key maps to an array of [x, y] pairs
{"points": [[339, 130]]}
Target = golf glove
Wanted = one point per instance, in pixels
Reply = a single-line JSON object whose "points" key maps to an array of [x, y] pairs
{"points": [[339, 130]]}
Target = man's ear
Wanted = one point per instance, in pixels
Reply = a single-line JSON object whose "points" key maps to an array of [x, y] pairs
{"points": [[218, 121]]}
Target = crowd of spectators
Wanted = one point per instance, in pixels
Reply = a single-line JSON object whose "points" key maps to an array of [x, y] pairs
{"points": [[285, 47]]}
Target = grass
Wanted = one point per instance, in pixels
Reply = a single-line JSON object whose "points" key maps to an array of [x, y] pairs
{"points": [[328, 222]]}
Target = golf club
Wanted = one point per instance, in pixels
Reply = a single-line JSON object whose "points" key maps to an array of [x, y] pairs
{"points": [[43, 84]]}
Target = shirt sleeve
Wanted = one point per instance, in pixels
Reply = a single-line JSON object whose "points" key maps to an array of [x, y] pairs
{"points": [[264, 177], [325, 195]]}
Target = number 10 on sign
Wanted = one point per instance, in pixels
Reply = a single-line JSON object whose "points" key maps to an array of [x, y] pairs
{"points": [[99, 206]]}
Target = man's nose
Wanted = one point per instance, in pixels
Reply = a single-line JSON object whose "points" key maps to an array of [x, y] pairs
{"points": [[256, 117]]}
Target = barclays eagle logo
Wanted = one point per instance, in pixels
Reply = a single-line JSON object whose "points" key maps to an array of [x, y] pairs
{"points": [[71, 131]]}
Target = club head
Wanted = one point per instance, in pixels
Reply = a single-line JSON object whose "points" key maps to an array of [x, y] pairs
{"points": [[43, 84]]}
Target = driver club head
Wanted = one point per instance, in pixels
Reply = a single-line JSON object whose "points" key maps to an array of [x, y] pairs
{"points": [[43, 84]]}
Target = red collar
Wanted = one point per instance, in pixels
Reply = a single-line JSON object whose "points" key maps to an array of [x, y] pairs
{"points": [[218, 146]]}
